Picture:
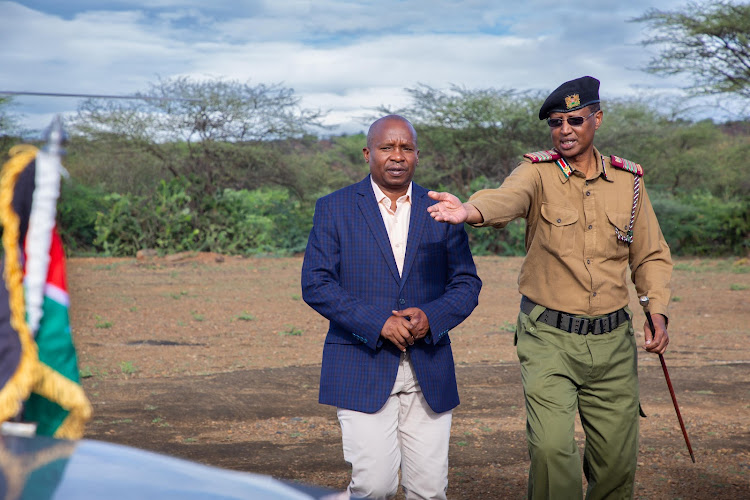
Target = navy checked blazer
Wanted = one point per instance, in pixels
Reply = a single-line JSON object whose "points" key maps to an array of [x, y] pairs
{"points": [[349, 276]]}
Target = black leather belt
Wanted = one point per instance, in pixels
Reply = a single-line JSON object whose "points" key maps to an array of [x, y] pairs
{"points": [[576, 324]]}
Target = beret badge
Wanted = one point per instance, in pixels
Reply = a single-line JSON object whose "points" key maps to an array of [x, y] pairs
{"points": [[570, 96], [572, 101]]}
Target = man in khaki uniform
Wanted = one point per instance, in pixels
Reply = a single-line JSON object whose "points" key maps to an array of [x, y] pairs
{"points": [[588, 218]]}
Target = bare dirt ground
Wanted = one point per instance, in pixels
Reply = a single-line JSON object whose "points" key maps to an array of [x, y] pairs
{"points": [[216, 359]]}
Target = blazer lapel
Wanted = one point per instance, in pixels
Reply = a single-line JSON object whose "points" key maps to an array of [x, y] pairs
{"points": [[419, 217], [371, 212]]}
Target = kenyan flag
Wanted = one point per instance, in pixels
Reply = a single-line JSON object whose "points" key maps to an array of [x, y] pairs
{"points": [[54, 342], [38, 369]]}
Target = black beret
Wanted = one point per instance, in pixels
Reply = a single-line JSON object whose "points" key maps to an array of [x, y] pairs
{"points": [[570, 96]]}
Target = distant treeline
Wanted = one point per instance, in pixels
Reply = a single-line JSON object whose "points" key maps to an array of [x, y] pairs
{"points": [[218, 176]]}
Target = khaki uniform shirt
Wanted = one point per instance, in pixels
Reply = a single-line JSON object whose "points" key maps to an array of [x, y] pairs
{"points": [[574, 261]]}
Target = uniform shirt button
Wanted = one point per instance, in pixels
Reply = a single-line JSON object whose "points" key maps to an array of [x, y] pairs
{"points": [[594, 294], [588, 261], [590, 226], [559, 221], [588, 193]]}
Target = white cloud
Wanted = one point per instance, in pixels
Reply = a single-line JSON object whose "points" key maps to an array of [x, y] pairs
{"points": [[343, 56]]}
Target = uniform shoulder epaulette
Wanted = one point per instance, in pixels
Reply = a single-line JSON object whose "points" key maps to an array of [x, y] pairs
{"points": [[539, 156], [623, 164]]}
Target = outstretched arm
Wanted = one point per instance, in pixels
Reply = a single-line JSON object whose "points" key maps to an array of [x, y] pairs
{"points": [[450, 209]]}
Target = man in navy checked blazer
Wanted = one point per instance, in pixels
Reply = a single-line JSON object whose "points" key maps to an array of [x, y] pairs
{"points": [[393, 282]]}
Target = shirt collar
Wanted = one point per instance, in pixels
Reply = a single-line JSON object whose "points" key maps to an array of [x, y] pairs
{"points": [[379, 195], [566, 169], [601, 164]]}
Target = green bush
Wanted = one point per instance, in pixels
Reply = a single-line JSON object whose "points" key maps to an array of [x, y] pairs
{"points": [[173, 219], [704, 225], [118, 230], [77, 211], [508, 241], [265, 220]]}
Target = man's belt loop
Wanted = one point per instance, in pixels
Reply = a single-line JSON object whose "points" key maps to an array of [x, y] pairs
{"points": [[576, 324]]}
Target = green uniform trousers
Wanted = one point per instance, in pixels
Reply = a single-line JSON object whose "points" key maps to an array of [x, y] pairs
{"points": [[598, 374]]}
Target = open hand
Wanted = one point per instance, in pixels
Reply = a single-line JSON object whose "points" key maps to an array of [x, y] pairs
{"points": [[449, 209]]}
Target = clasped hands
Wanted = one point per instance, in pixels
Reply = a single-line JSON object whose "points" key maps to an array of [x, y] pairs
{"points": [[405, 327]]}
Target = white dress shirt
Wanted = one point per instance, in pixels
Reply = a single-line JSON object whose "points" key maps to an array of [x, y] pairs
{"points": [[396, 221]]}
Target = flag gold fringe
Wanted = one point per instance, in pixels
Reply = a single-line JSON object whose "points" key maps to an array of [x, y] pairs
{"points": [[31, 375]]}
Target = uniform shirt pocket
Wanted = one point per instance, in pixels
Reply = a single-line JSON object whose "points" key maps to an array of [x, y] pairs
{"points": [[559, 234], [614, 248]]}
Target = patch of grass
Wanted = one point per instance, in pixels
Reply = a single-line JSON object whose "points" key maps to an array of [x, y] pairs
{"points": [[462, 443], [292, 332], [101, 322], [178, 295], [150, 407], [122, 421], [741, 266], [735, 287], [127, 368], [245, 316], [296, 296], [197, 316], [156, 420], [190, 440], [676, 298], [133, 309], [507, 326], [92, 371]]}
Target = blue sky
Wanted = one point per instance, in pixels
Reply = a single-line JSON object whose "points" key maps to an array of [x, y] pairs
{"points": [[345, 57]]}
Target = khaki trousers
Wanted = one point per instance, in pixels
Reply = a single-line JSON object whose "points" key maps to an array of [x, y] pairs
{"points": [[598, 376], [404, 434]]}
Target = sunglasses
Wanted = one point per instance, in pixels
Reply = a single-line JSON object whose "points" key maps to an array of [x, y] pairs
{"points": [[573, 121]]}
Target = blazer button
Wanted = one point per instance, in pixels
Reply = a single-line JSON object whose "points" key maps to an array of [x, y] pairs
{"points": [[401, 301]]}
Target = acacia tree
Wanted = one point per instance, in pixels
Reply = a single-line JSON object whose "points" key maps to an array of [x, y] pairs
{"points": [[708, 41], [217, 133], [468, 134]]}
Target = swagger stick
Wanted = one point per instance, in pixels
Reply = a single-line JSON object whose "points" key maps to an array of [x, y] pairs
{"points": [[644, 302]]}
